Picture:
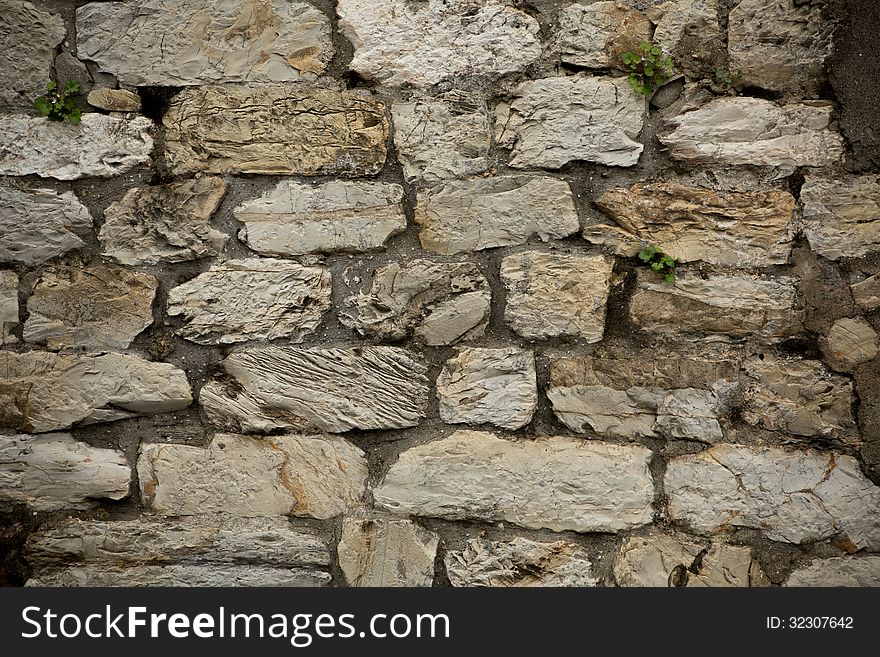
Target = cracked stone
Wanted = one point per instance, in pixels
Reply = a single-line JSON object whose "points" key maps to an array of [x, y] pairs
{"points": [[596, 35], [842, 215], [377, 552], [838, 571], [114, 100], [850, 342], [28, 38], [181, 574], [8, 306]]}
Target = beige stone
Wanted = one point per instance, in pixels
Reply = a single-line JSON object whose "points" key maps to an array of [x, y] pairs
{"points": [[114, 100], [8, 306], [866, 293], [850, 342], [847, 571], [842, 215], [378, 552], [596, 34]]}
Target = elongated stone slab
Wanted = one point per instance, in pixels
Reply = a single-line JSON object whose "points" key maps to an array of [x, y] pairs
{"points": [[182, 574], [842, 215], [28, 38], [838, 571], [378, 552], [8, 306]]}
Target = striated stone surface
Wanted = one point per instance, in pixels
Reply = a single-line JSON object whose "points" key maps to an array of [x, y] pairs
{"points": [[168, 43], [439, 302], [252, 299], [310, 476], [8, 306], [375, 552], [556, 294], [496, 386], [41, 391], [114, 100], [794, 496], [39, 224], [296, 218], [164, 223], [838, 571], [519, 562], [284, 129], [850, 342], [596, 35], [28, 38], [866, 293], [454, 37], [99, 145], [180, 574], [54, 471], [102, 307], [551, 483], [483, 213], [842, 215], [740, 130], [553, 121], [328, 389]]}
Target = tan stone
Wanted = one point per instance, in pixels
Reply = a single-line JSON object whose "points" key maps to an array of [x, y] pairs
{"points": [[842, 215], [595, 35], [115, 100], [850, 342], [378, 552], [866, 293], [8, 306]]}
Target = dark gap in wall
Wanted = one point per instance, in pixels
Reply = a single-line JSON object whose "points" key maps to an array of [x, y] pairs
{"points": [[155, 101]]}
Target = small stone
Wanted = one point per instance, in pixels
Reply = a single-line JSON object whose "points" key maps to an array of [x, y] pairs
{"points": [[28, 38], [375, 552], [68, 68], [842, 215], [596, 35], [850, 342], [114, 100], [8, 306], [838, 571], [866, 293]]}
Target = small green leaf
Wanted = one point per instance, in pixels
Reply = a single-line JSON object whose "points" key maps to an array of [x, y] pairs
{"points": [[72, 87], [657, 267], [42, 105], [52, 86], [656, 50], [669, 278], [647, 253], [649, 71], [74, 117]]}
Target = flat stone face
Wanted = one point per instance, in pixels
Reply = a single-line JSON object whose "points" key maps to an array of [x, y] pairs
{"points": [[454, 38], [495, 386], [54, 471], [99, 145], [181, 574], [39, 224], [102, 307], [838, 571], [556, 295], [596, 35], [850, 342], [251, 299], [296, 218], [866, 293], [519, 562], [114, 100], [289, 388], [8, 306], [168, 43], [28, 38], [41, 391], [554, 483], [483, 213], [793, 496], [689, 31], [736, 229], [740, 130], [283, 130], [439, 302], [164, 223], [842, 216], [307, 476], [386, 553], [553, 121]]}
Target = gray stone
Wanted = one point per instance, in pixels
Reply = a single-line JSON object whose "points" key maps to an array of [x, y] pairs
{"points": [[8, 306], [69, 68], [114, 100], [28, 38], [842, 215], [182, 574], [377, 552], [850, 342], [689, 31], [595, 35], [838, 571], [866, 293]]}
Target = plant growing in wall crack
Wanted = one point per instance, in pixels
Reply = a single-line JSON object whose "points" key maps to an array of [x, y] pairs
{"points": [[58, 103], [649, 68], [659, 262]]}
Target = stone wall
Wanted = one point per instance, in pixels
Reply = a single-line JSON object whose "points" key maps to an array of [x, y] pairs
{"points": [[345, 293]]}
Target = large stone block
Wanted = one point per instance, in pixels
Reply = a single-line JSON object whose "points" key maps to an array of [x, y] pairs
{"points": [[596, 34], [842, 215], [28, 38]]}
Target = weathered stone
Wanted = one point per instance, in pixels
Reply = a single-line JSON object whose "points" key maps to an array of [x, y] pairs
{"points": [[737, 229], [99, 145], [8, 306], [736, 306], [28, 38], [386, 553], [114, 100], [444, 137], [596, 35], [328, 389], [164, 223], [552, 121], [453, 37], [728, 566], [740, 130], [519, 562], [482, 213], [285, 129], [54, 471], [689, 31], [68, 68], [102, 307], [182, 574], [842, 215], [794, 496], [168, 43], [496, 386], [838, 571], [553, 483], [252, 299], [438, 302], [296, 218], [42, 391], [556, 294], [310, 476], [866, 293], [39, 224], [850, 342]]}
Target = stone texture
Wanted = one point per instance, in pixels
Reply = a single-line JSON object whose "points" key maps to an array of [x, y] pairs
{"points": [[296, 218], [168, 43], [519, 562], [251, 299], [595, 35], [99, 145], [438, 302], [99, 308], [556, 294], [376, 552], [552, 121], [728, 566], [328, 389], [41, 391], [838, 571], [28, 38], [553, 483], [54, 471], [164, 223], [794, 496], [8, 306], [850, 342], [283, 130], [842, 215], [307, 476], [689, 31], [182, 574], [866, 293], [740, 130], [454, 37], [114, 100], [494, 386], [483, 213], [39, 224]]}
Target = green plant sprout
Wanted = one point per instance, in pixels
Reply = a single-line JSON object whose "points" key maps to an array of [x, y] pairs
{"points": [[659, 262], [649, 68], [58, 104], [728, 81]]}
